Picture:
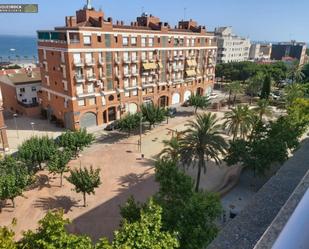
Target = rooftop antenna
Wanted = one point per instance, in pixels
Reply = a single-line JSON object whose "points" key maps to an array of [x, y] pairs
{"points": [[88, 6], [184, 14]]}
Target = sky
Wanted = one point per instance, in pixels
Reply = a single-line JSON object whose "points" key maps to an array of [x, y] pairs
{"points": [[259, 20]]}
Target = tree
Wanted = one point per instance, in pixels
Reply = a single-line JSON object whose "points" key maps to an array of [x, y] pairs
{"points": [[192, 214], [130, 122], [36, 151], [238, 121], [234, 89], [171, 149], [85, 181], [7, 238], [263, 108], [58, 163], [153, 114], [296, 73], [293, 92], [202, 139], [266, 88], [145, 233], [255, 85], [299, 111], [76, 141], [52, 234], [14, 178], [198, 101]]}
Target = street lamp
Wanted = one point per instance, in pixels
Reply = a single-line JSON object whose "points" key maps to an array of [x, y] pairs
{"points": [[32, 125], [140, 132], [15, 121]]}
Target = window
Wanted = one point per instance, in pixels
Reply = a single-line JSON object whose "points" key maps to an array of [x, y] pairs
{"points": [[21, 90], [99, 38], [133, 41], [79, 89], [90, 88], [33, 89], [65, 85], [91, 101], [134, 56], [81, 102], [143, 41], [34, 100], [88, 57], [126, 82], [103, 100], [126, 56], [134, 82], [188, 42], [150, 55], [76, 58], [64, 73], [116, 39], [134, 93], [111, 98], [134, 69], [126, 69], [125, 41], [87, 40], [65, 103], [144, 57], [150, 42], [126, 93]]}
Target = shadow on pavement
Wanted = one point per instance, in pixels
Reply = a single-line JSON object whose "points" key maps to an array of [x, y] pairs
{"points": [[55, 203]]}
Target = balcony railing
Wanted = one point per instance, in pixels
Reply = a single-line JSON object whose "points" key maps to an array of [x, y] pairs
{"points": [[90, 62], [91, 77], [79, 63], [79, 78]]}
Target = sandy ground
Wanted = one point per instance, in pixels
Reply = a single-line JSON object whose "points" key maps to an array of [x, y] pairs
{"points": [[123, 173]]}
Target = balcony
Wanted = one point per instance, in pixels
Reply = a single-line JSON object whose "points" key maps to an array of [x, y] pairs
{"points": [[86, 94], [91, 77], [101, 62], [135, 73], [134, 60], [79, 63], [127, 74], [79, 78], [90, 62]]}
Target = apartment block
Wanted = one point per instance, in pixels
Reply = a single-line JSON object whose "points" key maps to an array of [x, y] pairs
{"points": [[3, 136], [95, 70], [231, 48], [293, 49], [260, 52]]}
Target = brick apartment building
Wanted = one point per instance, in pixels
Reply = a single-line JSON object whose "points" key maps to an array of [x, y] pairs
{"points": [[20, 90], [94, 70]]}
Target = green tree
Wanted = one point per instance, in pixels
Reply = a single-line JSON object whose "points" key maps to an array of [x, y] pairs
{"points": [[293, 92], [192, 214], [145, 233], [58, 163], [85, 181], [234, 89], [198, 101], [263, 108], [171, 149], [255, 85], [130, 122], [201, 143], [299, 111], [36, 151], [266, 88], [14, 178], [153, 114], [7, 238], [76, 141], [295, 73], [52, 234], [238, 121]]}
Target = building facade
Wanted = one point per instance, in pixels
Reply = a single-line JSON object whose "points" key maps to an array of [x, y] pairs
{"points": [[94, 71], [20, 89], [231, 48], [3, 135], [260, 52], [293, 49]]}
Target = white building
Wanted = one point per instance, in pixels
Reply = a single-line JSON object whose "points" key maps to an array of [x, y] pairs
{"points": [[231, 48], [260, 52]]}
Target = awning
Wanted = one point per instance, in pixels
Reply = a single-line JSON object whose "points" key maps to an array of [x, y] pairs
{"points": [[193, 62], [198, 71], [189, 63], [160, 64], [149, 66], [190, 73]]}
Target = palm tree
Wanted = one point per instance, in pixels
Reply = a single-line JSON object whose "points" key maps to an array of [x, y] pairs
{"points": [[238, 121], [234, 88], [293, 92], [171, 149], [296, 73], [263, 108], [255, 85], [198, 101], [202, 142]]}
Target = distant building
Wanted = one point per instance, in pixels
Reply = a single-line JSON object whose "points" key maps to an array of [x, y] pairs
{"points": [[3, 135], [20, 91], [260, 52], [95, 70], [293, 49], [231, 48]]}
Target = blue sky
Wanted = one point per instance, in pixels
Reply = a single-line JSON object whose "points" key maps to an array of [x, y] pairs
{"points": [[272, 20]]}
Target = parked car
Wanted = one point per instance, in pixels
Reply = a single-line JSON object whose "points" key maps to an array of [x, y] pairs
{"points": [[212, 96], [112, 126], [274, 96], [186, 103]]}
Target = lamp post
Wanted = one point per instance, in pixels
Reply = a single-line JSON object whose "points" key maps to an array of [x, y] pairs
{"points": [[32, 126], [15, 121], [140, 132]]}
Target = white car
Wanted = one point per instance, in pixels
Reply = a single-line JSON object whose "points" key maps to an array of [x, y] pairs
{"points": [[213, 96]]}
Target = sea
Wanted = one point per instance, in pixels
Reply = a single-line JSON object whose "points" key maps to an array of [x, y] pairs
{"points": [[18, 49]]}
